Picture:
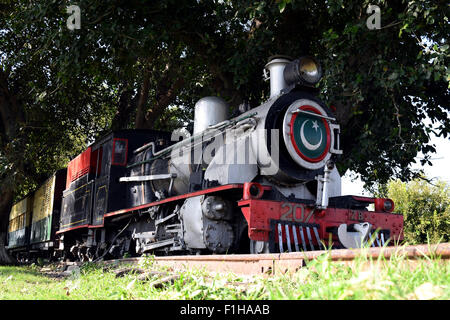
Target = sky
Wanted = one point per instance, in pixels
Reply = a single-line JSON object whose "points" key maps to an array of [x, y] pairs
{"points": [[440, 168]]}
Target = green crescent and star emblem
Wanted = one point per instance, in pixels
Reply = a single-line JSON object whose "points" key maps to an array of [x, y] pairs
{"points": [[310, 135]]}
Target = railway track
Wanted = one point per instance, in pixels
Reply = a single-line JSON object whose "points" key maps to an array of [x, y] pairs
{"points": [[251, 264]]}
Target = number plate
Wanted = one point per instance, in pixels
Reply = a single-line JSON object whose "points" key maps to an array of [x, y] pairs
{"points": [[356, 215]]}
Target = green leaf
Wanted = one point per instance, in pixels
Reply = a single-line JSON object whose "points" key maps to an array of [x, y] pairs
{"points": [[405, 26], [393, 76]]}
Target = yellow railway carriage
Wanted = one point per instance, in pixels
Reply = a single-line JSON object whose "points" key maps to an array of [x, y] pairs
{"points": [[19, 223], [42, 212], [34, 220], [46, 209]]}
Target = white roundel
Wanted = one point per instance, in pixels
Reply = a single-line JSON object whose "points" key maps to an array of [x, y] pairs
{"points": [[307, 134]]}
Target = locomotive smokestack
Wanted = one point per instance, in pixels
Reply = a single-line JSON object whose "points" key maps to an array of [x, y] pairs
{"points": [[275, 66]]}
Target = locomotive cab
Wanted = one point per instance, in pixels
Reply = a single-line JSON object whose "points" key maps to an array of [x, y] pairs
{"points": [[93, 188]]}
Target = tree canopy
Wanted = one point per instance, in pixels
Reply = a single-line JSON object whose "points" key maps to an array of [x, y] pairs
{"points": [[142, 64]]}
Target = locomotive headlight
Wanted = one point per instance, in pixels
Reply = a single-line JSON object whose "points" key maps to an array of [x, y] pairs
{"points": [[303, 71]]}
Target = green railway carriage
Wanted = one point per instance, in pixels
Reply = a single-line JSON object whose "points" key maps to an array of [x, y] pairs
{"points": [[19, 223]]}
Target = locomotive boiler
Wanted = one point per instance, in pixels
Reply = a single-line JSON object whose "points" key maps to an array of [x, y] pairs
{"points": [[263, 181]]}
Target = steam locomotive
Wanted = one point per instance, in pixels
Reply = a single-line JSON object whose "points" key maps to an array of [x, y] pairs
{"points": [[264, 181]]}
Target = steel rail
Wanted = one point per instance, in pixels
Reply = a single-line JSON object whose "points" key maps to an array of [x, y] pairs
{"points": [[276, 262]]}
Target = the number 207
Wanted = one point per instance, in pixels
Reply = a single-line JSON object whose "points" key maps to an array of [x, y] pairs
{"points": [[291, 214]]}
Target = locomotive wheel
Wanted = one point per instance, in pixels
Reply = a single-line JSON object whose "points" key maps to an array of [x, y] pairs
{"points": [[259, 247]]}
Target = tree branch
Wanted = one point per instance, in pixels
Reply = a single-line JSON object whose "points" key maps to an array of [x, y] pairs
{"points": [[142, 102], [163, 102]]}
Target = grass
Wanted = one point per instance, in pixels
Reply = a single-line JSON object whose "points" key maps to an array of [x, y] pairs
{"points": [[322, 279]]}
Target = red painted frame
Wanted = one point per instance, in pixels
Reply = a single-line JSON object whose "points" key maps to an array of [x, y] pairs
{"points": [[258, 214], [151, 204], [114, 148]]}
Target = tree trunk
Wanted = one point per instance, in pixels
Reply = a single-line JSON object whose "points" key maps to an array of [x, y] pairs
{"points": [[11, 115], [6, 198], [165, 93], [125, 107], [5, 259], [142, 102], [165, 99]]}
